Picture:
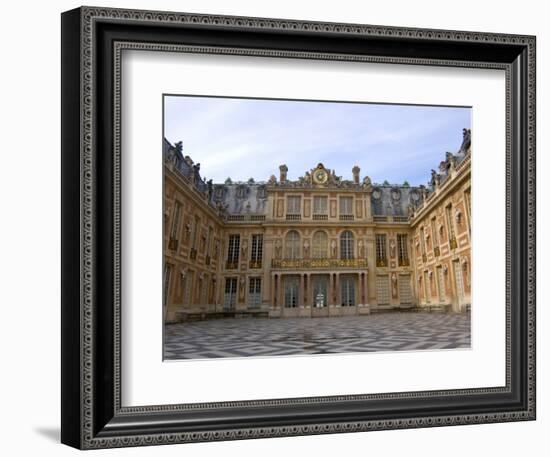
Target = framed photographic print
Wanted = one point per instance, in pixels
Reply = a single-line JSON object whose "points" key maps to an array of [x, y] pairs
{"points": [[274, 228]]}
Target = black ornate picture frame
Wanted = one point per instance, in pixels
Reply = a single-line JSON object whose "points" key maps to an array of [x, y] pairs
{"points": [[92, 414]]}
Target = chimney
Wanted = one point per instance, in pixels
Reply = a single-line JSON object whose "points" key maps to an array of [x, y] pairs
{"points": [[355, 170], [283, 169]]}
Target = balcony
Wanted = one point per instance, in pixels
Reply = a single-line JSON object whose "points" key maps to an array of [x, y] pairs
{"points": [[246, 218], [400, 219], [229, 265], [381, 262], [293, 217], [437, 252], [255, 264], [347, 217], [312, 264], [320, 217]]}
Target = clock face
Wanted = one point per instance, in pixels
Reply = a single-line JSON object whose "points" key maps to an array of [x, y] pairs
{"points": [[320, 176]]}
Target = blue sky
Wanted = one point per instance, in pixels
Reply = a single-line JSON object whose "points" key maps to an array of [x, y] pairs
{"points": [[243, 138]]}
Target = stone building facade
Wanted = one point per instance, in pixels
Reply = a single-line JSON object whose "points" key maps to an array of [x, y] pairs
{"points": [[317, 246]]}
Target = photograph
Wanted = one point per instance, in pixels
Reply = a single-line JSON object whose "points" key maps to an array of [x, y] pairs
{"points": [[268, 227], [308, 227]]}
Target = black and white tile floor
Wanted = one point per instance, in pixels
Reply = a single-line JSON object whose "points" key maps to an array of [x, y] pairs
{"points": [[275, 337]]}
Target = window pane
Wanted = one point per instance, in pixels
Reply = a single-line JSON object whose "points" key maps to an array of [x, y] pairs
{"points": [[320, 205], [320, 245], [292, 245], [346, 245]]}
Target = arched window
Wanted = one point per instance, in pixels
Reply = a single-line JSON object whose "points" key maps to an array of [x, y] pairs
{"points": [[346, 245], [292, 245], [320, 245]]}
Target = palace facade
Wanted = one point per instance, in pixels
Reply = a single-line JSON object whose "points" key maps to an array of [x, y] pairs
{"points": [[317, 246]]}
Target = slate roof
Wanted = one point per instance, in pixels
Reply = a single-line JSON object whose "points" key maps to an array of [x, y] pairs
{"points": [[241, 198]]}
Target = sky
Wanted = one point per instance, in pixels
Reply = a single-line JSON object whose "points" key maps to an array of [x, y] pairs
{"points": [[249, 138]]}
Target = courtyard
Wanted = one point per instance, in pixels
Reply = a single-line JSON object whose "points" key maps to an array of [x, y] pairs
{"points": [[262, 337]]}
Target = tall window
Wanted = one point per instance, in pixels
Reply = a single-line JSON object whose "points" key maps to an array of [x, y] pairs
{"points": [[435, 235], [174, 232], [468, 198], [347, 290], [203, 285], [209, 241], [320, 206], [254, 292], [320, 245], [167, 277], [292, 284], [441, 285], [346, 245], [346, 205], [381, 251], [383, 290], [423, 241], [449, 215], [256, 251], [402, 252], [188, 287], [230, 295], [405, 293], [233, 251], [293, 204], [195, 232], [292, 245]]}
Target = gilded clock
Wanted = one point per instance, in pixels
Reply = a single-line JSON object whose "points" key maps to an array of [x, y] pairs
{"points": [[320, 176]]}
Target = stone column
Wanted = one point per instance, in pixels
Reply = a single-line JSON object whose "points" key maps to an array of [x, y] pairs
{"points": [[337, 289], [301, 300], [361, 287], [365, 288], [273, 296], [280, 292], [330, 290], [308, 297], [371, 262]]}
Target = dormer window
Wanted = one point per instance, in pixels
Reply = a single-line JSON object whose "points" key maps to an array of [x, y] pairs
{"points": [[262, 192], [242, 191]]}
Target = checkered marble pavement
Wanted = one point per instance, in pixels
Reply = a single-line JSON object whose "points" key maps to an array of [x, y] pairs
{"points": [[244, 337]]}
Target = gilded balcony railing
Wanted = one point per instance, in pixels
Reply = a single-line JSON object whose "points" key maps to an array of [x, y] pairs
{"points": [[404, 262], [255, 264], [318, 263]]}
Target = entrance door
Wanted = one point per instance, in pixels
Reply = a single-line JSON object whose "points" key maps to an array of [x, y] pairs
{"points": [[292, 285], [459, 283], [427, 288], [441, 285], [230, 293], [320, 291], [383, 290], [405, 294], [347, 290]]}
